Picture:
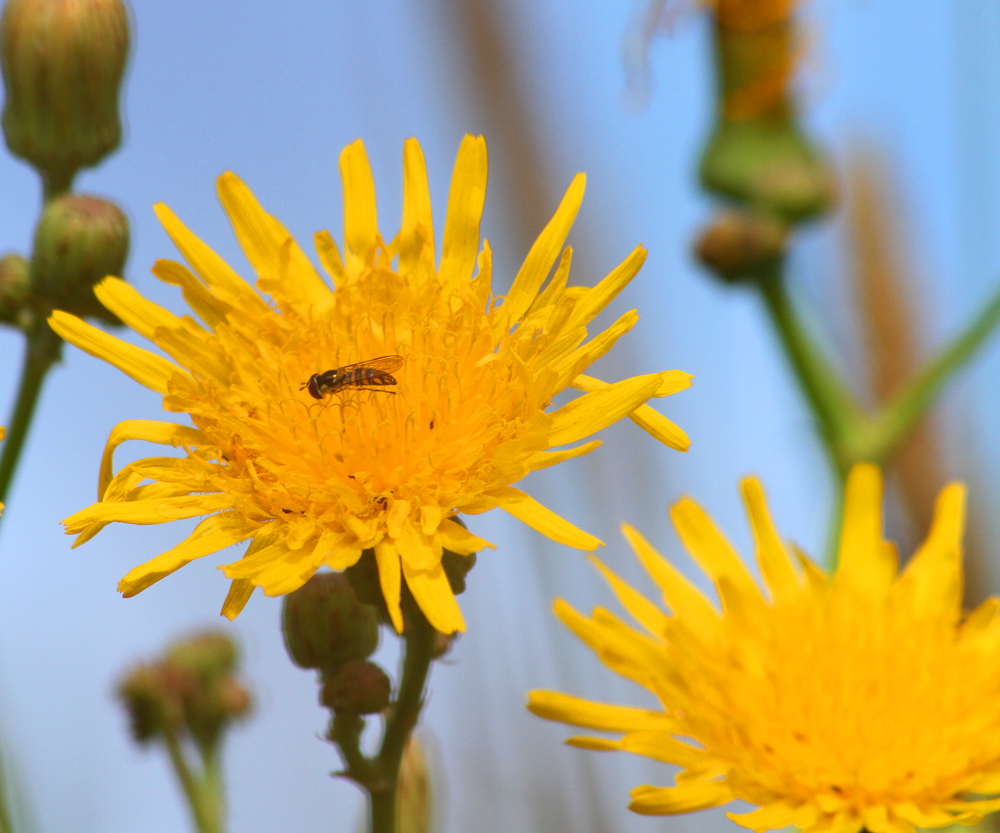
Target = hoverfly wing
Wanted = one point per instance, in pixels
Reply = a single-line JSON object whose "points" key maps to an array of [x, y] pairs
{"points": [[386, 364]]}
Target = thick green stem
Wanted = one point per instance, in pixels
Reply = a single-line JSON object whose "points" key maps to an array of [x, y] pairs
{"points": [[402, 718], [41, 352], [837, 412], [204, 795]]}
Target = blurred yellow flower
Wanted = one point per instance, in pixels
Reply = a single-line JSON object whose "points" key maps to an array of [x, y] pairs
{"points": [[862, 699], [315, 483]]}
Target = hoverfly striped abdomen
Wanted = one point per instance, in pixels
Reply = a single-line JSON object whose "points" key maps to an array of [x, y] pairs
{"points": [[374, 373]]}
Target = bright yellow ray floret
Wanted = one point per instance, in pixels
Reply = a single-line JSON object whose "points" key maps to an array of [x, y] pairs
{"points": [[862, 699], [317, 483]]}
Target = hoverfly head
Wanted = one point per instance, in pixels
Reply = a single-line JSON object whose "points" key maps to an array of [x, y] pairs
{"points": [[313, 386]]}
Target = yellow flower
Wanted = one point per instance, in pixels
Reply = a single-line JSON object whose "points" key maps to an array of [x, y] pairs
{"points": [[315, 483], [862, 699]]}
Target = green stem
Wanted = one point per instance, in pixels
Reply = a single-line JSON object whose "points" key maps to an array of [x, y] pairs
{"points": [[900, 415], [204, 795], [837, 412], [402, 719], [42, 350], [56, 182]]}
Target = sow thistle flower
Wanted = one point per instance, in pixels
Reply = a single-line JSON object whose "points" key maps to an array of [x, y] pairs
{"points": [[311, 483], [861, 699]]}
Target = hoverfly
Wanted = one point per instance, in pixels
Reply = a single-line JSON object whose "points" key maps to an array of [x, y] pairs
{"points": [[373, 373]]}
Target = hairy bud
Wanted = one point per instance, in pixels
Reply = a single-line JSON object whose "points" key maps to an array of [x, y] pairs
{"points": [[358, 687], [62, 63]]}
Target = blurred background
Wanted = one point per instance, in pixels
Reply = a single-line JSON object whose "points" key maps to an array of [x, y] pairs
{"points": [[904, 96]]}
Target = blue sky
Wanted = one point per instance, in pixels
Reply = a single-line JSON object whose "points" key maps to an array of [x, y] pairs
{"points": [[273, 93]]}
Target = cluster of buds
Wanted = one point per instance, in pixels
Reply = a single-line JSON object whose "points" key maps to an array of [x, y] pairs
{"points": [[192, 692], [63, 63]]}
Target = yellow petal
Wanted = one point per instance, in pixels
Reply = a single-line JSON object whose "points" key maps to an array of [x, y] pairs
{"points": [[360, 216], [148, 511], [662, 746], [554, 705], [587, 308], [932, 581], [526, 508], [594, 744], [457, 539], [209, 308], [557, 285], [329, 257], [432, 593], [644, 611], [586, 354], [659, 801], [262, 237], [714, 554], [240, 591], [211, 535], [146, 368], [390, 579], [775, 816], [591, 412], [865, 561], [648, 419], [208, 266], [544, 252], [465, 208], [163, 433], [776, 565], [682, 597], [416, 234], [544, 459]]}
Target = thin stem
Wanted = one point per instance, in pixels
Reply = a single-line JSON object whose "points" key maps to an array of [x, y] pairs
{"points": [[204, 794], [402, 719], [42, 350], [56, 182], [836, 410], [900, 415]]}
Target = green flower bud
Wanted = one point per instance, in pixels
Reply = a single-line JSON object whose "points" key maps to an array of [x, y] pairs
{"points": [[15, 288], [78, 242], [358, 687], [741, 245], [62, 63], [209, 656], [153, 696], [456, 568], [325, 625]]}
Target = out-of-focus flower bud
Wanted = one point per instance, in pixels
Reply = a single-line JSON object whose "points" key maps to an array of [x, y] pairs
{"points": [[208, 655], [757, 153], [414, 790], [62, 63], [456, 568], [153, 697], [15, 288], [325, 625], [78, 242], [358, 687], [741, 245]]}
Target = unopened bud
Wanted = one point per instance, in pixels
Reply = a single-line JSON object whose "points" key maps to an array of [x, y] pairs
{"points": [[358, 687], [79, 241], [325, 625], [15, 287], [456, 568], [153, 696], [62, 63], [210, 655], [741, 245]]}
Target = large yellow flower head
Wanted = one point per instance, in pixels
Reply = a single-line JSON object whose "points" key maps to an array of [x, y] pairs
{"points": [[318, 481], [862, 699]]}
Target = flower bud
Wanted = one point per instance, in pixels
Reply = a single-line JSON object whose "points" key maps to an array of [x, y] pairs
{"points": [[153, 696], [358, 687], [325, 625], [15, 288], [456, 568], [741, 245], [209, 656], [62, 63], [78, 242]]}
